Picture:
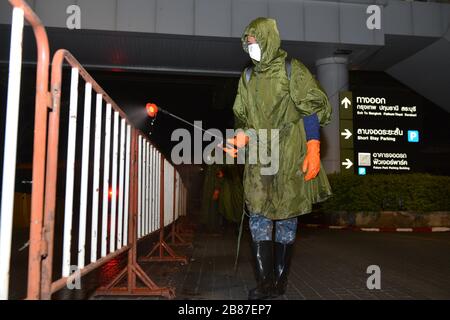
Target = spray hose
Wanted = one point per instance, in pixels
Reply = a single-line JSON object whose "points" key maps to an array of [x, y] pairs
{"points": [[241, 227]]}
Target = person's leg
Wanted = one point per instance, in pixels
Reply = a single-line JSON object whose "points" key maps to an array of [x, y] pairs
{"points": [[286, 230], [262, 248], [260, 228], [285, 233]]}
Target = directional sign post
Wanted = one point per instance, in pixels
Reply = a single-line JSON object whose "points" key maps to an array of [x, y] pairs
{"points": [[346, 105], [347, 161], [379, 132], [346, 132]]}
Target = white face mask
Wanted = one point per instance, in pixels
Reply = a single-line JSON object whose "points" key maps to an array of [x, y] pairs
{"points": [[254, 51]]}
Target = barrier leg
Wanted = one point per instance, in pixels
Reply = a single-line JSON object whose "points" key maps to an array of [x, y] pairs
{"points": [[165, 252], [175, 238], [184, 228], [133, 271]]}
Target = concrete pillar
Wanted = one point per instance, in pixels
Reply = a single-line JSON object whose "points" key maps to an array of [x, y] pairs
{"points": [[332, 73]]}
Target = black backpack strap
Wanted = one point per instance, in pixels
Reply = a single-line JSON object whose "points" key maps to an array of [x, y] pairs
{"points": [[288, 66], [248, 73]]}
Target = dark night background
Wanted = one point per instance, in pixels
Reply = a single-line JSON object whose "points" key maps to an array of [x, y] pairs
{"points": [[206, 98], [210, 99]]}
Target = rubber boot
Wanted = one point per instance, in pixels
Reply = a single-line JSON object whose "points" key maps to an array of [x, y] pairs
{"points": [[283, 257], [263, 254]]}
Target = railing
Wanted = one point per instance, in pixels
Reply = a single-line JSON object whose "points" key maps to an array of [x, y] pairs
{"points": [[21, 12], [118, 188], [109, 208]]}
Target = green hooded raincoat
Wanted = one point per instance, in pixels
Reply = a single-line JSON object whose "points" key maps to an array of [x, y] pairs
{"points": [[269, 100]]}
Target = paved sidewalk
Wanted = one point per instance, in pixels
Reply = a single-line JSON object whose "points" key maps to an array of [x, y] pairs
{"points": [[327, 264]]}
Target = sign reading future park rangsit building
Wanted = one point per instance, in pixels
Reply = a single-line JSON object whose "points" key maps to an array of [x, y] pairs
{"points": [[379, 133]]}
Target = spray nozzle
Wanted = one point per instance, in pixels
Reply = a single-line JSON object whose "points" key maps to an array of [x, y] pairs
{"points": [[152, 110]]}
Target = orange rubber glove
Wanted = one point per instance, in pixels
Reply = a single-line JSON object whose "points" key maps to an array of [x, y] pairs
{"points": [[216, 194], [240, 140], [311, 164]]}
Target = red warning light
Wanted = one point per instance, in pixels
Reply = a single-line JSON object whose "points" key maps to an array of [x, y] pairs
{"points": [[152, 109]]}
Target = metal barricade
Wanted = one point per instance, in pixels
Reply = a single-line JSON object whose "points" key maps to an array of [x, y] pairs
{"points": [[108, 232], [128, 193], [21, 12]]}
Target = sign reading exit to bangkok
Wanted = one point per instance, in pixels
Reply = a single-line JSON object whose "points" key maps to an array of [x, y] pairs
{"points": [[379, 132]]}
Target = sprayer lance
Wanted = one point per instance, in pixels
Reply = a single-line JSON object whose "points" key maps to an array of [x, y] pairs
{"points": [[153, 109]]}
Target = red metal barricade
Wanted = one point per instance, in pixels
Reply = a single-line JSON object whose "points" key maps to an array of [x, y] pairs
{"points": [[129, 193]]}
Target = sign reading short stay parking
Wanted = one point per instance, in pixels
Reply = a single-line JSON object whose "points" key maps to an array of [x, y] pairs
{"points": [[379, 132]]}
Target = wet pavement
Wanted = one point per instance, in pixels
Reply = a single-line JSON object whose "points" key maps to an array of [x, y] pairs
{"points": [[327, 264]]}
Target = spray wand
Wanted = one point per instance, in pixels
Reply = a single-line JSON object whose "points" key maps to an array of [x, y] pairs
{"points": [[152, 112]]}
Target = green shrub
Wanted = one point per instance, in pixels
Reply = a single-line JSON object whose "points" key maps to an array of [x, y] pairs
{"points": [[417, 192]]}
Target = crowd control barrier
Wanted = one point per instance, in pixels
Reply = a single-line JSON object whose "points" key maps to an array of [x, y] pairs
{"points": [[117, 188]]}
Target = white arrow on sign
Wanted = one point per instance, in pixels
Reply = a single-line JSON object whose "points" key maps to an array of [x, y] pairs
{"points": [[346, 102], [347, 163], [347, 134]]}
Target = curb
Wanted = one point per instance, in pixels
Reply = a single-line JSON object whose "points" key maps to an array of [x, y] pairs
{"points": [[367, 229]]}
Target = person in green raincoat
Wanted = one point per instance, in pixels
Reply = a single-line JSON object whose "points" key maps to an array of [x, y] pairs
{"points": [[268, 97], [222, 196], [231, 193], [210, 217]]}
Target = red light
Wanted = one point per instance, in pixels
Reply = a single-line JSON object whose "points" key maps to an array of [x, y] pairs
{"points": [[110, 193], [152, 109]]}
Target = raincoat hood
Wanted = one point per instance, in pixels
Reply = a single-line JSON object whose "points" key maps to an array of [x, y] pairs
{"points": [[267, 36]]}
